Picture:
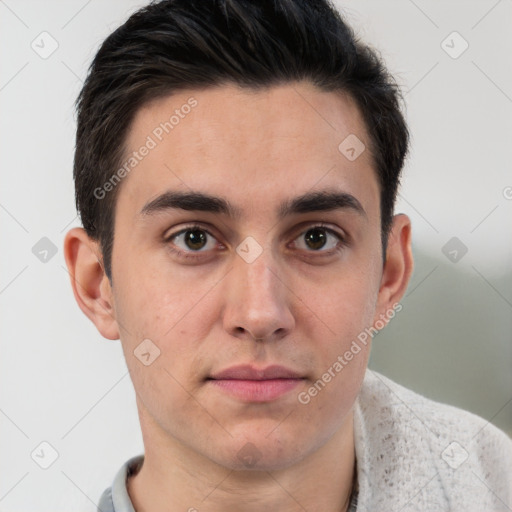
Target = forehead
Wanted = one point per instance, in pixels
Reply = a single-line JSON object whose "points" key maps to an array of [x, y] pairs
{"points": [[257, 146]]}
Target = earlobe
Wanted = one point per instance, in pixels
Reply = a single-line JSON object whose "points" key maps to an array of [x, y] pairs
{"points": [[398, 266], [91, 287]]}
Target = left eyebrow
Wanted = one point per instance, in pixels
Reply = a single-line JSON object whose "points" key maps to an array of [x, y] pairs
{"points": [[323, 200]]}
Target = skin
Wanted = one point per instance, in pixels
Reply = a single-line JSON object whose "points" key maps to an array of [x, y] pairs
{"points": [[291, 306]]}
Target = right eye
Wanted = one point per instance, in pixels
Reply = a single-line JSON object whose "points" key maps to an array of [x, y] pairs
{"points": [[193, 239]]}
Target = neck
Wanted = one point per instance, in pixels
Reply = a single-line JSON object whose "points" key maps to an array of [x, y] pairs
{"points": [[178, 478]]}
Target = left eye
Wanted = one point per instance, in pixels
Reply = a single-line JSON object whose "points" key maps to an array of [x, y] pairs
{"points": [[318, 237]]}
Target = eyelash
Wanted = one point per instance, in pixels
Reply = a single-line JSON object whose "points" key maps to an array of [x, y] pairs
{"points": [[198, 254]]}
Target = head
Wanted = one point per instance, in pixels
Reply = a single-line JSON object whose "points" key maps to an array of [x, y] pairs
{"points": [[227, 221], [269, 43]]}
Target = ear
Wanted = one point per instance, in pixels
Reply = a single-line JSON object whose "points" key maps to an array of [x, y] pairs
{"points": [[397, 269], [90, 284]]}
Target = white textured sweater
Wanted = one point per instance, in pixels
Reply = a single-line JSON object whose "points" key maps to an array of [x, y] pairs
{"points": [[413, 455]]}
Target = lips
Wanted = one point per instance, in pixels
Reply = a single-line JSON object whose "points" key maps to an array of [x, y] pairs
{"points": [[247, 372], [250, 384]]}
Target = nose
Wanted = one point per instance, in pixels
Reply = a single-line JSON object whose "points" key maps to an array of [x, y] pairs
{"points": [[257, 300]]}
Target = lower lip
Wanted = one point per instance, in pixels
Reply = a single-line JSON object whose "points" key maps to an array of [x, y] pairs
{"points": [[256, 390]]}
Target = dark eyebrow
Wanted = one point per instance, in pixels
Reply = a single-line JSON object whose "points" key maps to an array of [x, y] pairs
{"points": [[324, 200], [193, 201]]}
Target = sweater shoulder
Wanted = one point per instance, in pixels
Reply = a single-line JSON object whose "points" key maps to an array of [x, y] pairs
{"points": [[394, 400], [466, 456]]}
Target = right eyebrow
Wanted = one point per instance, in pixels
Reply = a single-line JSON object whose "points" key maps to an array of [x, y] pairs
{"points": [[197, 201]]}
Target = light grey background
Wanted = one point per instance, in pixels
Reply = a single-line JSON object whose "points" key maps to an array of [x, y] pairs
{"points": [[62, 383]]}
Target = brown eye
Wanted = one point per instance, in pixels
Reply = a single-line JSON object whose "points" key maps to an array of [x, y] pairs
{"points": [[315, 238], [318, 239], [193, 239]]}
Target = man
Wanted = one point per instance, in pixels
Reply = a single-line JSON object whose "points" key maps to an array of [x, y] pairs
{"points": [[236, 169]]}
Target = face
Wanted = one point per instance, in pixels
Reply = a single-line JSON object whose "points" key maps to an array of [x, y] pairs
{"points": [[259, 276]]}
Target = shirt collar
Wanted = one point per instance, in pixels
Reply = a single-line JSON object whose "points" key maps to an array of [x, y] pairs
{"points": [[116, 498]]}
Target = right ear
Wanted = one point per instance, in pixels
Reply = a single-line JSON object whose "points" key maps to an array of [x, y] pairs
{"points": [[91, 287]]}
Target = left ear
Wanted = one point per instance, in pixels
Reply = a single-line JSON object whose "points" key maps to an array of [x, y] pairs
{"points": [[397, 268]]}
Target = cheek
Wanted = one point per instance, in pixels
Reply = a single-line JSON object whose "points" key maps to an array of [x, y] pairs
{"points": [[345, 311], [151, 310], [177, 315], [151, 302], [346, 305]]}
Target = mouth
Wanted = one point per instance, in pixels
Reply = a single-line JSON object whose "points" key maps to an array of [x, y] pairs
{"points": [[250, 384]]}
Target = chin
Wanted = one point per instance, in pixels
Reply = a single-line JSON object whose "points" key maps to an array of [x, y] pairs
{"points": [[260, 453]]}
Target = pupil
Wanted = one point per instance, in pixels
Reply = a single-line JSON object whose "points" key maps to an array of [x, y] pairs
{"points": [[195, 238], [315, 242]]}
